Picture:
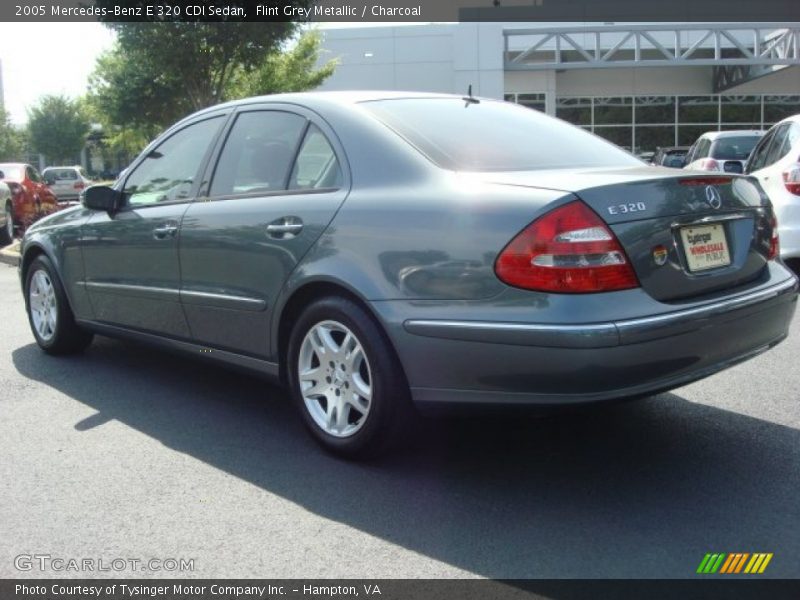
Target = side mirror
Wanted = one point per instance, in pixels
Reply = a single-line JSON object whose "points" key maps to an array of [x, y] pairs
{"points": [[102, 197]]}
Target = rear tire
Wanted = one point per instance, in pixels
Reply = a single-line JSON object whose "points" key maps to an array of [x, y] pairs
{"points": [[49, 314], [346, 380], [7, 233]]}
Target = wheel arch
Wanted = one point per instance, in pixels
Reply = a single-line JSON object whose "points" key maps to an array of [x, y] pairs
{"points": [[299, 299], [32, 252]]}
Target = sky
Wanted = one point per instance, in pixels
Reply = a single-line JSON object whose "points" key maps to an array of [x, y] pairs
{"points": [[47, 58], [56, 58]]}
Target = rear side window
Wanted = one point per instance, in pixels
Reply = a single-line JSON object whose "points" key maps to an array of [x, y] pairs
{"points": [[316, 166], [734, 148], [493, 136], [258, 153]]}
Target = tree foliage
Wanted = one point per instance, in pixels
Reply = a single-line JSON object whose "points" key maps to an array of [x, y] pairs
{"points": [[12, 139], [160, 71], [293, 70], [57, 127]]}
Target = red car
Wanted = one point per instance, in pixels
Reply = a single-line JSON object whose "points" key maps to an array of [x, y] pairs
{"points": [[29, 198]]}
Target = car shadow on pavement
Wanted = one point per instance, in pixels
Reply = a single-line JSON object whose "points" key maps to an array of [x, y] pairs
{"points": [[640, 489]]}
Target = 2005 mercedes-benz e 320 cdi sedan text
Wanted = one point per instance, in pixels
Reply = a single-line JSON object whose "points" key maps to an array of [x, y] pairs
{"points": [[380, 251]]}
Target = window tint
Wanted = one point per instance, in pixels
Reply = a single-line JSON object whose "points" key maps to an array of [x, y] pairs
{"points": [[67, 174], [33, 174], [703, 148], [779, 148], [316, 166], [759, 155], [493, 136], [734, 148], [169, 170], [258, 153]]}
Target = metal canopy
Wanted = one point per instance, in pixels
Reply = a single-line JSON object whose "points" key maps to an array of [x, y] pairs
{"points": [[738, 52]]}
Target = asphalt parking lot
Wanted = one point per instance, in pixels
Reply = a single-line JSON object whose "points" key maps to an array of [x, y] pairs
{"points": [[129, 452]]}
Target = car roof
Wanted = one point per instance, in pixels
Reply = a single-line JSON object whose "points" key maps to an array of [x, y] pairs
{"points": [[715, 135], [337, 97]]}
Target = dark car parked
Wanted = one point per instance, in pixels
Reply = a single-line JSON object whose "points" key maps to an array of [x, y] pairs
{"points": [[671, 156], [380, 251]]}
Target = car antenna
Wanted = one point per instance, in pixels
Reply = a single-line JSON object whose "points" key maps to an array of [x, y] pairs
{"points": [[469, 98]]}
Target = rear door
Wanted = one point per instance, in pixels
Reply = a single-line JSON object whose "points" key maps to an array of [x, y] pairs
{"points": [[279, 178], [131, 256]]}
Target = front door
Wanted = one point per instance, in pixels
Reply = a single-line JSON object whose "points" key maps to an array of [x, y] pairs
{"points": [[131, 256]]}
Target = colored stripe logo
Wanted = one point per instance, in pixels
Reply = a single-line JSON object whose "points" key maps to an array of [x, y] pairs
{"points": [[736, 562]]}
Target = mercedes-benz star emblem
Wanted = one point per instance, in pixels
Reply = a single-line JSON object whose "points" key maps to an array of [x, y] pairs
{"points": [[713, 197]]}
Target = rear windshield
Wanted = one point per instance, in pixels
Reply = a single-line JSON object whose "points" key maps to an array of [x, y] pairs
{"points": [[734, 148], [11, 172], [494, 136]]}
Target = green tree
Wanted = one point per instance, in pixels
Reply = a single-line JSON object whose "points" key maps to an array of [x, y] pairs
{"points": [[57, 127], [293, 70], [12, 139]]}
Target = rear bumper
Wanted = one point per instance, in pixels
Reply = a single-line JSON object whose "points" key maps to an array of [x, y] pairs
{"points": [[479, 362]]}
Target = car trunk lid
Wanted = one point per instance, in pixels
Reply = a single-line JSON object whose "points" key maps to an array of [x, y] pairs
{"points": [[686, 234]]}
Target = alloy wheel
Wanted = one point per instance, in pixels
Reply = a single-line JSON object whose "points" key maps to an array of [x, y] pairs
{"points": [[43, 307], [335, 379]]}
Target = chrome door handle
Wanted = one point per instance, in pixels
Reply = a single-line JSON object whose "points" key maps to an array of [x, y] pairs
{"points": [[285, 228], [165, 231]]}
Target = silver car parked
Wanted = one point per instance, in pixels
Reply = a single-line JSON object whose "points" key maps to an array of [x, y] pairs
{"points": [[379, 252]]}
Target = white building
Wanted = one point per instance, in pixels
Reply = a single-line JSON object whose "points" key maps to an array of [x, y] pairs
{"points": [[640, 85]]}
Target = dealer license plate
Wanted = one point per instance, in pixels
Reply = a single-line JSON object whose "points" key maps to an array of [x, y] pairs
{"points": [[705, 247]]}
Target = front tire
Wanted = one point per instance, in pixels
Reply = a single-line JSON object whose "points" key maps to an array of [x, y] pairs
{"points": [[50, 317], [346, 380]]}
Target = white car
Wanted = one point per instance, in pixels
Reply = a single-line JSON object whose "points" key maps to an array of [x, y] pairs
{"points": [[66, 183], [725, 151], [775, 162]]}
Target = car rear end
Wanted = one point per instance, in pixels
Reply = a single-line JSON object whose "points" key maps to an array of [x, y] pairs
{"points": [[729, 153], [624, 282], [67, 182]]}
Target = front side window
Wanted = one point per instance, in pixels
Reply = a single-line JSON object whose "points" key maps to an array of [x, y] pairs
{"points": [[258, 153], [168, 172]]}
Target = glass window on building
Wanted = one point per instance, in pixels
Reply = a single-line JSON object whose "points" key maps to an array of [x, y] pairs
{"points": [[777, 108], [613, 111], [655, 109], [577, 111], [740, 109], [688, 134], [651, 137], [535, 101], [620, 135], [698, 109]]}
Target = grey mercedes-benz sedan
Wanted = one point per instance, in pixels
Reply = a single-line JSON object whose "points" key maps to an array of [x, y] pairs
{"points": [[379, 252]]}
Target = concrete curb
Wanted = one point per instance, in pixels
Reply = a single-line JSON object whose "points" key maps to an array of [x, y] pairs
{"points": [[10, 254]]}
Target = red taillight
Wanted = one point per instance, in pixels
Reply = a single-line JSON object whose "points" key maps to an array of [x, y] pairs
{"points": [[79, 186], [568, 250], [791, 179], [774, 242], [709, 164]]}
